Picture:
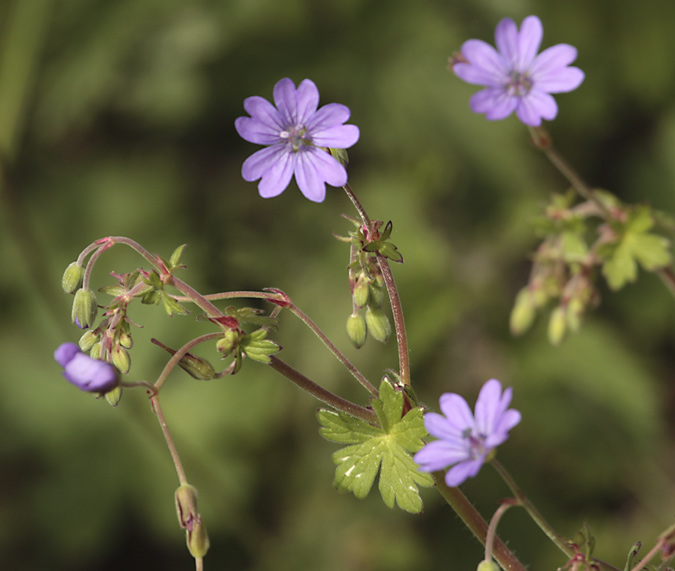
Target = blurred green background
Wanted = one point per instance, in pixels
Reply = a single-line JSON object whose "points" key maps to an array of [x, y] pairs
{"points": [[116, 118]]}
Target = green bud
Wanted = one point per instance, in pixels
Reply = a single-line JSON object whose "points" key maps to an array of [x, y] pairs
{"points": [[95, 351], [88, 340], [356, 330], [84, 308], [121, 359], [487, 566], [557, 325], [229, 341], [523, 313], [197, 367], [575, 310], [377, 292], [190, 519], [72, 278], [114, 397], [378, 324], [126, 341], [361, 290], [198, 540]]}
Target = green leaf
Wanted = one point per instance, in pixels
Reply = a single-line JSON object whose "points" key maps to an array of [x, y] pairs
{"points": [[386, 450], [175, 256], [635, 245], [171, 306]]}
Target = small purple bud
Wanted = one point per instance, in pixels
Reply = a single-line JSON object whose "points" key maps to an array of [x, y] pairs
{"points": [[65, 353], [87, 374]]}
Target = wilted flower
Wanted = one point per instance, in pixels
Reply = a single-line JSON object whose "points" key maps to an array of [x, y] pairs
{"points": [[467, 441], [86, 373], [515, 77], [297, 136]]}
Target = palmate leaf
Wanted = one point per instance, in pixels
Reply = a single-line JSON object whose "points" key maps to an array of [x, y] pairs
{"points": [[636, 245], [386, 450]]}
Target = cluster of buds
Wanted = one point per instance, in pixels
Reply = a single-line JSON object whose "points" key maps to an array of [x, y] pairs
{"points": [[600, 233], [562, 271], [366, 282]]}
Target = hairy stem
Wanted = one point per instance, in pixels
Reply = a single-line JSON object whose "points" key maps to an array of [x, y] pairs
{"points": [[322, 394], [399, 322], [169, 440], [476, 523]]}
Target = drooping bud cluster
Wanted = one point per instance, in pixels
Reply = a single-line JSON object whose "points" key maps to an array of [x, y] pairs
{"points": [[602, 234], [366, 282]]}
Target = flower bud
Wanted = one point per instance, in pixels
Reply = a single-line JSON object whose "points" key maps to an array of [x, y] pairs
{"points": [[190, 520], [377, 292], [198, 540], [114, 397], [523, 313], [487, 566], [88, 340], [96, 350], [84, 308], [72, 278], [126, 341], [197, 367], [229, 341], [557, 326], [121, 359], [356, 330], [361, 291], [90, 375], [378, 324]]}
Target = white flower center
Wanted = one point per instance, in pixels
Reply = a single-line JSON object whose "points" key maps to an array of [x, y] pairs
{"points": [[476, 443], [296, 136], [519, 84]]}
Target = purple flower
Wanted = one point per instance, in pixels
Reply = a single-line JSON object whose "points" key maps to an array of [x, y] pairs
{"points": [[515, 77], [467, 441], [297, 135], [86, 373]]}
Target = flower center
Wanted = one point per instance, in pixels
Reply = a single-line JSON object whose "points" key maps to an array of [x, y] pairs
{"points": [[519, 84], [296, 136], [476, 443]]}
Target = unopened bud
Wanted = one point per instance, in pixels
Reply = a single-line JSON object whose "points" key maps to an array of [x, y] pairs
{"points": [[87, 341], [114, 397], [378, 324], [575, 310], [361, 291], [229, 341], [72, 278], [523, 313], [356, 330], [84, 308], [487, 566], [190, 520], [198, 540], [96, 350], [557, 326], [121, 359], [377, 292], [126, 341], [197, 367]]}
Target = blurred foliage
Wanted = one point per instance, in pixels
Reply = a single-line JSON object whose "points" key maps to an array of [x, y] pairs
{"points": [[117, 119]]}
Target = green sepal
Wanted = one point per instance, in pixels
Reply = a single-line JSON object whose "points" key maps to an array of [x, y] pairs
{"points": [[256, 346], [386, 450], [171, 306], [174, 260], [251, 316]]}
